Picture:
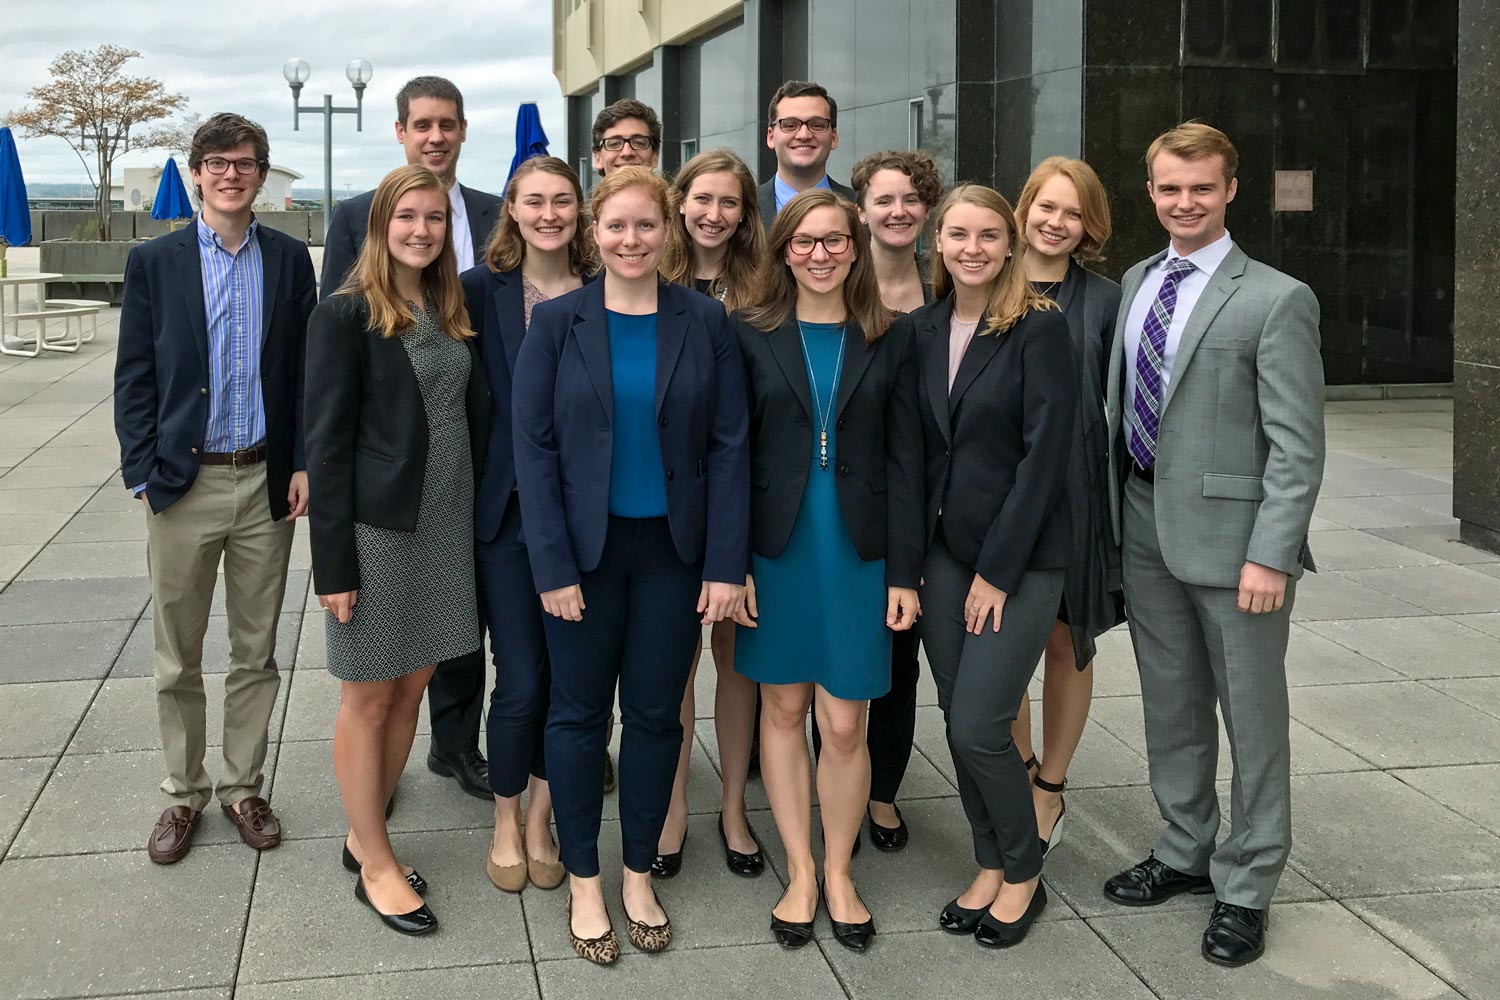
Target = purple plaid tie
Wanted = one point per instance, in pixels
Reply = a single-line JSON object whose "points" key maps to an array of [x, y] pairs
{"points": [[1146, 410]]}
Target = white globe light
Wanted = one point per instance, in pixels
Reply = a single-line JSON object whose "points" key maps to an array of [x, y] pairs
{"points": [[359, 72], [296, 71]]}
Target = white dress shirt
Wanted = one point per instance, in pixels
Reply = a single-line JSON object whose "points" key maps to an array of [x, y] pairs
{"points": [[1189, 290], [463, 237]]}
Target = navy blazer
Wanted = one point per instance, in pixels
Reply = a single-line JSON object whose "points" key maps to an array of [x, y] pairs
{"points": [[161, 364], [497, 312], [767, 199], [563, 396], [351, 221]]}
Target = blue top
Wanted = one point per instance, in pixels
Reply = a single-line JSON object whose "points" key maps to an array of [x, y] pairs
{"points": [[233, 287], [637, 486], [785, 192]]}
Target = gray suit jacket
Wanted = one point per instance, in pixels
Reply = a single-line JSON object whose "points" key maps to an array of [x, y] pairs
{"points": [[766, 195], [1240, 451]]}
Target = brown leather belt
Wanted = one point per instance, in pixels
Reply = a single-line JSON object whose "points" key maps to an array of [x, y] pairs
{"points": [[245, 456]]}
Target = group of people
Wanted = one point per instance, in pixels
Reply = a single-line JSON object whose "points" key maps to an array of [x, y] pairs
{"points": [[825, 422]]}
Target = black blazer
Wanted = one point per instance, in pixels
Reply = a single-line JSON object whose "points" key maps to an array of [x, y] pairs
{"points": [[161, 364], [997, 445], [351, 220], [367, 435], [879, 470], [767, 199], [564, 410]]}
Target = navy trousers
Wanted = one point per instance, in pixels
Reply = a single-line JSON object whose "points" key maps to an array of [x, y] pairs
{"points": [[523, 675], [638, 630]]}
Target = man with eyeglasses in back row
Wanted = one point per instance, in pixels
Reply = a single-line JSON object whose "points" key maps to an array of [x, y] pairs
{"points": [[802, 129]]}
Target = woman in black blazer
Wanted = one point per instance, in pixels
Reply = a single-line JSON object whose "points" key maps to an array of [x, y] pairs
{"points": [[835, 517], [538, 251], [999, 391], [397, 414], [1064, 215]]}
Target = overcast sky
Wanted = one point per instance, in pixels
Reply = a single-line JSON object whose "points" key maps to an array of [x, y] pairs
{"points": [[228, 57]]}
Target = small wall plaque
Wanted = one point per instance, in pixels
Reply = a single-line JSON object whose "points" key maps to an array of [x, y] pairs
{"points": [[1294, 190]]}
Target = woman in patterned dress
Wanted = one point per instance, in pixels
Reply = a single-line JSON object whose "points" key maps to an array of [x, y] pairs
{"points": [[397, 413]]}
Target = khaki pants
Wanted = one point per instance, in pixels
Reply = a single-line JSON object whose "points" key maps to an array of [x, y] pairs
{"points": [[224, 513]]}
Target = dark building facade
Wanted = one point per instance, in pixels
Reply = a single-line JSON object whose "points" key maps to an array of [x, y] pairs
{"points": [[1344, 112]]}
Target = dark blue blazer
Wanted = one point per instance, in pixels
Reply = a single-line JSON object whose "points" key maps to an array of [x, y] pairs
{"points": [[161, 365], [497, 312], [563, 413]]}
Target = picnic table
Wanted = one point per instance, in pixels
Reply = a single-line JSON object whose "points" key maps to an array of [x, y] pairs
{"points": [[42, 312]]}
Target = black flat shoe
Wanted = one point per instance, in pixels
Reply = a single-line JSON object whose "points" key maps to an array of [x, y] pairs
{"points": [[743, 865], [468, 769], [418, 921], [994, 933], [957, 919], [855, 937], [1236, 935], [1152, 882], [668, 865], [886, 839], [792, 933], [413, 878]]}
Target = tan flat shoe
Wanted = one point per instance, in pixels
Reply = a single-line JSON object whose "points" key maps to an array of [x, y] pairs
{"points": [[545, 874], [510, 878]]}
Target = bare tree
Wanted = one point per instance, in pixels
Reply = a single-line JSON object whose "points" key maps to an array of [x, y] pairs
{"points": [[100, 113]]}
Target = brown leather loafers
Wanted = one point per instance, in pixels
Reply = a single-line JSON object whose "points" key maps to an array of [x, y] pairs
{"points": [[172, 836], [257, 824]]}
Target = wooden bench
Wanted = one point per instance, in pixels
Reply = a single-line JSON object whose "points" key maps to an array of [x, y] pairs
{"points": [[42, 342], [95, 304]]}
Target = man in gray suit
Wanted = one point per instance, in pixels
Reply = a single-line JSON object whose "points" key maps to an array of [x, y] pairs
{"points": [[1215, 404]]}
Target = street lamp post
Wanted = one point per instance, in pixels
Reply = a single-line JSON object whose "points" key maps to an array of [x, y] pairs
{"points": [[359, 73]]}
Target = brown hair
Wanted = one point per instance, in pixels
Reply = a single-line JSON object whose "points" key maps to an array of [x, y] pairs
{"points": [[747, 246], [1011, 295], [223, 132], [1194, 140], [373, 275], [507, 248], [802, 88], [660, 192], [775, 298], [436, 87], [1091, 199], [912, 162], [622, 109]]}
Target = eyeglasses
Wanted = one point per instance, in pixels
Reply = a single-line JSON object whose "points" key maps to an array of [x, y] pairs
{"points": [[639, 143], [218, 165], [834, 244], [817, 126]]}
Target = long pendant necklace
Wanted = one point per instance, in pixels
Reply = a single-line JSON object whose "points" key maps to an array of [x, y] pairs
{"points": [[824, 414]]}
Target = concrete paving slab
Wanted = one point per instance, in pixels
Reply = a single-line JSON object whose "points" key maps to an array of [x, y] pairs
{"points": [[935, 964], [493, 982], [1482, 693], [305, 922], [73, 455], [113, 526], [68, 818], [1350, 549], [21, 529], [94, 941], [39, 477], [44, 501], [1402, 724], [1324, 596], [1425, 647], [138, 658], [1103, 760], [1365, 513], [87, 561], [124, 715], [44, 602], [748, 973], [1353, 836], [60, 651], [111, 497], [1471, 790], [1439, 540], [1115, 670], [1488, 624], [51, 712], [1452, 933], [20, 780], [1311, 659], [1444, 590], [1376, 482], [1313, 950], [14, 558]]}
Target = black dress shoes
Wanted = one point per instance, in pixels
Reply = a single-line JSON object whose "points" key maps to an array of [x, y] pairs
{"points": [[414, 878], [418, 921], [793, 933], [993, 933], [886, 839], [1152, 882], [957, 919], [468, 769], [1236, 935], [668, 865], [743, 865], [855, 937]]}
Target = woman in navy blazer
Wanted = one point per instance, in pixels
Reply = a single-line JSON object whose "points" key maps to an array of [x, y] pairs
{"points": [[630, 443], [538, 251]]}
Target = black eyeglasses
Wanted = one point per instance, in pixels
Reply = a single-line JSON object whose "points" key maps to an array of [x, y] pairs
{"points": [[833, 243], [817, 126], [639, 143], [243, 166]]}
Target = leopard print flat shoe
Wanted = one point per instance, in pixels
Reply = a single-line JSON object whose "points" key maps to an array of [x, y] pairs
{"points": [[648, 937], [602, 950]]}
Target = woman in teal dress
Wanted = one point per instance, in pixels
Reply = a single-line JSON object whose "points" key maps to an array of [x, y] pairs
{"points": [[836, 529]]}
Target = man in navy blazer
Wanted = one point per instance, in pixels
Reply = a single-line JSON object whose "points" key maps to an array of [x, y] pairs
{"points": [[208, 411], [802, 129], [431, 127]]}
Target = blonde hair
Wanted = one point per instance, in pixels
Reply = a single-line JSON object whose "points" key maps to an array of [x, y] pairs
{"points": [[624, 178], [747, 246], [373, 275], [1195, 140], [507, 248], [775, 298], [1011, 295], [1091, 199]]}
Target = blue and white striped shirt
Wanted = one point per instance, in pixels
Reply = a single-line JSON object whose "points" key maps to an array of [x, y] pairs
{"points": [[233, 296]]}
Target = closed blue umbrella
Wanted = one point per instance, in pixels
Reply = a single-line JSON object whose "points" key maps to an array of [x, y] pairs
{"points": [[15, 216], [530, 139], [171, 201]]}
